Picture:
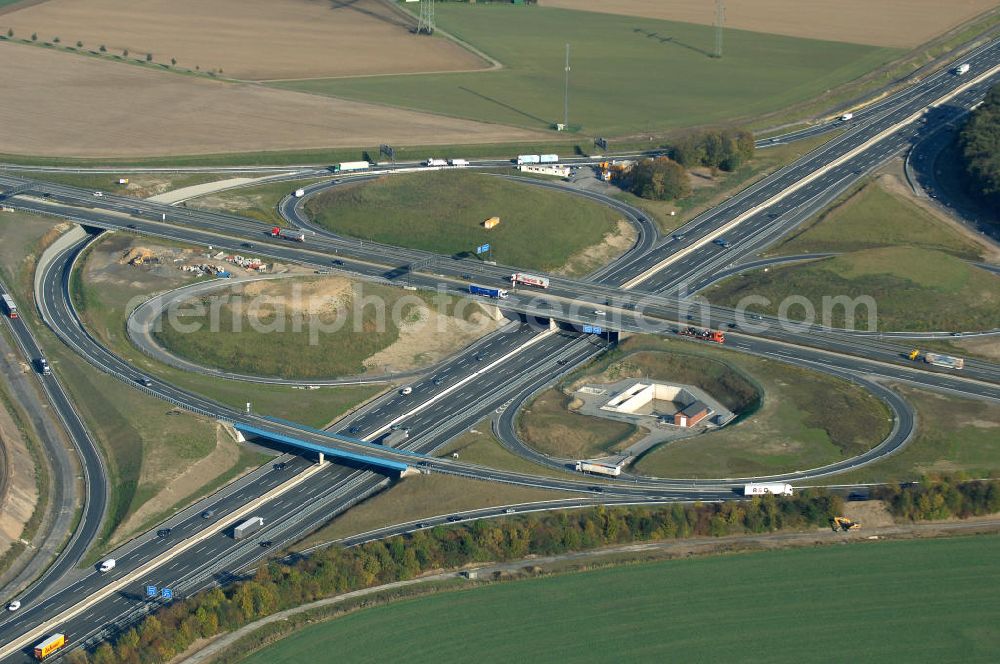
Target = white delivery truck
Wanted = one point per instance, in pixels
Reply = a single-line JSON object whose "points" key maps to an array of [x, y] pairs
{"points": [[459, 162], [436, 162], [248, 528], [763, 488], [107, 565]]}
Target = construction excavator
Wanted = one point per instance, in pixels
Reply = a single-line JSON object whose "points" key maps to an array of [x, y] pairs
{"points": [[843, 524]]}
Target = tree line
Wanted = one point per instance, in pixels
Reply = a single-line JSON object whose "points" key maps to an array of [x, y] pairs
{"points": [[666, 177], [943, 498], [279, 585], [979, 143]]}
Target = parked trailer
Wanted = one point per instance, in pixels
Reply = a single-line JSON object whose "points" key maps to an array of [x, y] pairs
{"points": [[945, 361], [488, 291], [598, 468], [548, 158], [436, 162], [248, 527], [49, 646], [528, 159], [529, 280], [9, 307], [459, 162], [345, 166], [764, 488], [295, 236]]}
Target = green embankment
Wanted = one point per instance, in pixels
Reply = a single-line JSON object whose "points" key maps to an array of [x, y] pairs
{"points": [[661, 72], [444, 213], [910, 265], [920, 601]]}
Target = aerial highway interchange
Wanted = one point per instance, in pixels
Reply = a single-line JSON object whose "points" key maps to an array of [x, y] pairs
{"points": [[645, 290]]}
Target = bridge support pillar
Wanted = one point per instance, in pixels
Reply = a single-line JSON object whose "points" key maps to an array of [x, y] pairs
{"points": [[552, 324], [322, 458]]}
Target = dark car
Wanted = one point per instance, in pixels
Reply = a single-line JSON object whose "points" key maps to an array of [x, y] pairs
{"points": [[280, 465], [163, 532], [454, 517], [146, 381], [247, 245], [467, 277], [337, 261], [132, 226], [438, 380], [479, 357], [597, 489], [354, 429], [208, 514], [733, 326], [266, 543], [423, 525]]}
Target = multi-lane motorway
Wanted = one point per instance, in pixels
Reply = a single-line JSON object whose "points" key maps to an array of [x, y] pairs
{"points": [[476, 383]]}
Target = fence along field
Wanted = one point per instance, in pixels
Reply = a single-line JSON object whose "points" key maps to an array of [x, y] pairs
{"points": [[895, 23], [248, 39]]}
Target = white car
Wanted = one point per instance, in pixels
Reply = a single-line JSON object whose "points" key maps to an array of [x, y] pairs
{"points": [[406, 390], [98, 194], [14, 606]]}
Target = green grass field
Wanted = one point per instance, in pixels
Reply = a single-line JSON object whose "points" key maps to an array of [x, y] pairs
{"points": [[444, 212], [954, 435], [143, 185], [661, 72], [913, 289], [872, 217], [917, 601]]}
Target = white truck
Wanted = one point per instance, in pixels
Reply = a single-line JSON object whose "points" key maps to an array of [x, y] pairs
{"points": [[846, 116], [548, 159], [345, 166], [598, 468], [459, 162], [962, 68], [436, 162], [528, 159], [106, 566], [944, 361], [248, 528], [529, 280], [764, 488]]}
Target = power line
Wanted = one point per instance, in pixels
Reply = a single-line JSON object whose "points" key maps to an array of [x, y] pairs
{"points": [[566, 93], [720, 20], [425, 24]]}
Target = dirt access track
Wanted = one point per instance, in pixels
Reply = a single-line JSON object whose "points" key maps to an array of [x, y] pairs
{"points": [[894, 23], [60, 104], [248, 39]]}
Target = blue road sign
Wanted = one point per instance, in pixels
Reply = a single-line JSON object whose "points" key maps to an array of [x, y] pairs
{"points": [[592, 329], [598, 330], [150, 591], [482, 249], [167, 593]]}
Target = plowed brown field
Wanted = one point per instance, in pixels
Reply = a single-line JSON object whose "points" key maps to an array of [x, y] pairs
{"points": [[60, 104], [249, 39], [895, 23]]}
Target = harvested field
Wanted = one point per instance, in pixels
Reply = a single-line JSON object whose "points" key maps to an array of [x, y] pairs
{"points": [[895, 23], [113, 106], [250, 39]]}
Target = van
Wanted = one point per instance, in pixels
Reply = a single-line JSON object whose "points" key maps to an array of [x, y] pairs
{"points": [[406, 390], [107, 565]]}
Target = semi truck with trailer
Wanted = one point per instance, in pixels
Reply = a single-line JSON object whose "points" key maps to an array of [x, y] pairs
{"points": [[49, 646], [937, 359], [346, 166], [248, 528], [288, 234], [9, 307], [764, 488], [488, 291], [529, 280], [528, 159], [436, 162], [598, 468], [459, 162], [548, 159]]}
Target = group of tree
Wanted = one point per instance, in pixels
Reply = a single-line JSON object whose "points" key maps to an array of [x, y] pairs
{"points": [[666, 177], [943, 498], [280, 585], [979, 142]]}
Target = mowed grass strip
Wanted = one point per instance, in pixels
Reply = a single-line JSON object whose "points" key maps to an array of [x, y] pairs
{"points": [[444, 212], [629, 74], [257, 202], [920, 600], [913, 289]]}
